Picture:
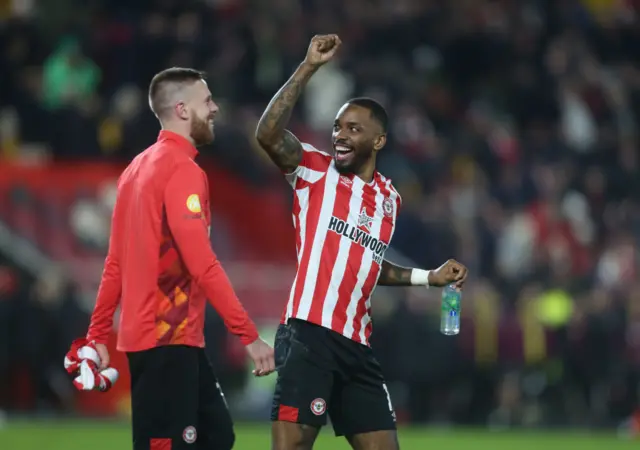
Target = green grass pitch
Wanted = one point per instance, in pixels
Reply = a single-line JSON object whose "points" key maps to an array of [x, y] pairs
{"points": [[70, 435]]}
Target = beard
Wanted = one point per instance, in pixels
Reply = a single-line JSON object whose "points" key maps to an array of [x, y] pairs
{"points": [[353, 166], [201, 132]]}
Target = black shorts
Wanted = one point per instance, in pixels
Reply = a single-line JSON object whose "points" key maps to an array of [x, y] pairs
{"points": [[320, 373], [176, 401]]}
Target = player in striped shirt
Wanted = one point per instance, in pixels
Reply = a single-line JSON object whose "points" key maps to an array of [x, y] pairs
{"points": [[344, 213]]}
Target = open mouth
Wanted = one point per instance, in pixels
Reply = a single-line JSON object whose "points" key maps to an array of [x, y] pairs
{"points": [[342, 151]]}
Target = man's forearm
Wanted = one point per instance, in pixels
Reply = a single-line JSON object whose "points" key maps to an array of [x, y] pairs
{"points": [[106, 302], [394, 275], [276, 117], [222, 297], [283, 148]]}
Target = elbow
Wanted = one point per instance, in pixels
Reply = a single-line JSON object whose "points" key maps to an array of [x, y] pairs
{"points": [[264, 138], [260, 138], [200, 273], [267, 137], [260, 133]]}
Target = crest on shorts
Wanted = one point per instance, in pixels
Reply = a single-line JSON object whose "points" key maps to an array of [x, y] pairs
{"points": [[318, 406], [387, 207], [190, 434], [365, 220]]}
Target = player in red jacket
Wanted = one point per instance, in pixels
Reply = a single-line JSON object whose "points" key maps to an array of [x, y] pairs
{"points": [[160, 269]]}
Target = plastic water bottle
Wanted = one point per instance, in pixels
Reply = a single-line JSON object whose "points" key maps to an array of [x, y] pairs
{"points": [[450, 315]]}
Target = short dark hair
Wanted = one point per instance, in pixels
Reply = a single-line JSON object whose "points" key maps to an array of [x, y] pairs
{"points": [[162, 83], [377, 110]]}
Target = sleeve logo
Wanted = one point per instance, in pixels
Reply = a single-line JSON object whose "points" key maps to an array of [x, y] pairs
{"points": [[193, 203]]}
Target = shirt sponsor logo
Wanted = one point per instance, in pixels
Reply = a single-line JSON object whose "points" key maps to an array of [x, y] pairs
{"points": [[360, 236], [193, 203]]}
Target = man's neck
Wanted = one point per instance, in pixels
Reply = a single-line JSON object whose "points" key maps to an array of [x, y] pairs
{"points": [[168, 126], [367, 171]]}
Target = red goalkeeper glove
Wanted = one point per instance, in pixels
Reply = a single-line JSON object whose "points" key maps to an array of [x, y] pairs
{"points": [[83, 362]]}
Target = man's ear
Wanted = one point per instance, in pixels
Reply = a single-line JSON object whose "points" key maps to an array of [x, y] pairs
{"points": [[182, 111], [380, 142]]}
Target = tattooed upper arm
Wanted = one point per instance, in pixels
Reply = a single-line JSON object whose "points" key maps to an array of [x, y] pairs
{"points": [[286, 152]]}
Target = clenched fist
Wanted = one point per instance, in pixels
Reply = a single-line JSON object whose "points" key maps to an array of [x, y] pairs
{"points": [[450, 272], [262, 355], [322, 49]]}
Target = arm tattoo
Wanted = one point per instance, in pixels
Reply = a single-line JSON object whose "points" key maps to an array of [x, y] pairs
{"points": [[283, 147], [392, 275]]}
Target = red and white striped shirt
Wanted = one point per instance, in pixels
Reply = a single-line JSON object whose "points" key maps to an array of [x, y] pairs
{"points": [[343, 228]]}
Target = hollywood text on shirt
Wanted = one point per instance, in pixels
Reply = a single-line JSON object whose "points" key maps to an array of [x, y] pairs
{"points": [[360, 237]]}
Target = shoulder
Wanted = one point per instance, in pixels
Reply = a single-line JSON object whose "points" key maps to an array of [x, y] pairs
{"points": [[390, 189], [186, 170], [314, 159], [312, 168], [167, 165], [314, 151], [167, 155]]}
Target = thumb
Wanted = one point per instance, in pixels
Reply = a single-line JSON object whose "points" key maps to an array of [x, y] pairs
{"points": [[104, 358]]}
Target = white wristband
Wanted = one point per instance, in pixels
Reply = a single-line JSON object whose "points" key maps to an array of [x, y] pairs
{"points": [[420, 277]]}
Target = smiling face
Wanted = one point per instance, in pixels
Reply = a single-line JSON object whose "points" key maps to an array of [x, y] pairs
{"points": [[357, 137], [181, 100], [202, 111]]}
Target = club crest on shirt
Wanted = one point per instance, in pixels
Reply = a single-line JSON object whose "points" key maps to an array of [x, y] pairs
{"points": [[387, 207], [193, 203]]}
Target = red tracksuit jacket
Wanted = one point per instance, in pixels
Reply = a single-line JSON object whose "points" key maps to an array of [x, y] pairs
{"points": [[160, 266]]}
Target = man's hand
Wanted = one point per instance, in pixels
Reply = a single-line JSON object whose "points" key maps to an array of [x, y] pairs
{"points": [[450, 272], [322, 49], [262, 355], [103, 353]]}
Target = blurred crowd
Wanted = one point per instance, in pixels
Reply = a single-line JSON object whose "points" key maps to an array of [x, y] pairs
{"points": [[513, 141]]}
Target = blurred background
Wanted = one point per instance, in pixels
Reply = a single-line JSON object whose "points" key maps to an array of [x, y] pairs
{"points": [[513, 141]]}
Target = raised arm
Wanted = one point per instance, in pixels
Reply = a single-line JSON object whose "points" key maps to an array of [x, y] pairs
{"points": [[281, 145], [450, 272]]}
